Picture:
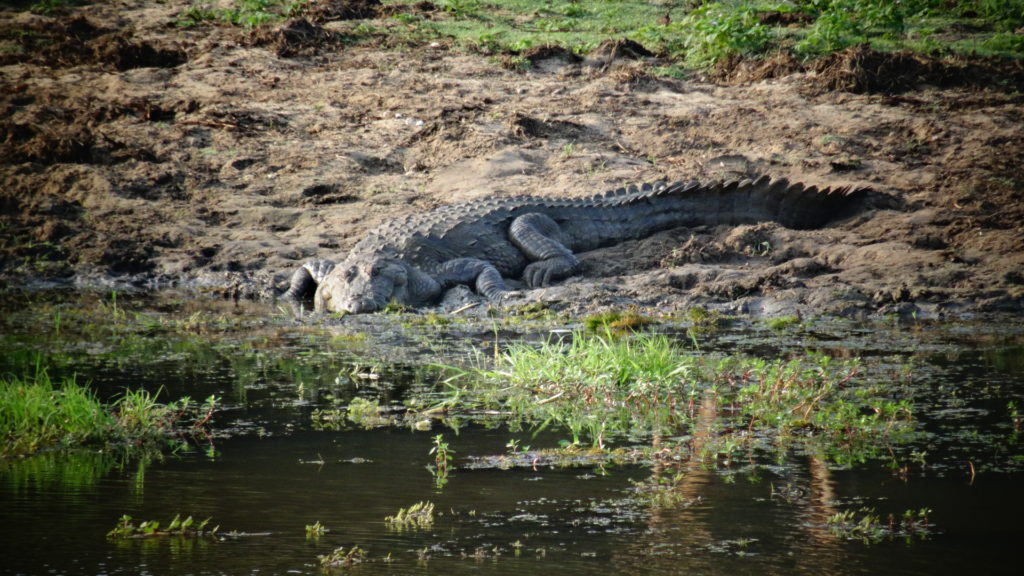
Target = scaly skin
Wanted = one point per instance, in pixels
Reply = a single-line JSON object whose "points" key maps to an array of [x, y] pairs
{"points": [[412, 260]]}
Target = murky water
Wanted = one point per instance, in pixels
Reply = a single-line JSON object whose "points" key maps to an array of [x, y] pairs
{"points": [[273, 473]]}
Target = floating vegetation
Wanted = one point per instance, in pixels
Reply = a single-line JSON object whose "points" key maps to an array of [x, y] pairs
{"points": [[328, 419], [176, 528], [315, 531], [868, 526], [365, 413], [344, 558], [418, 516], [442, 461]]}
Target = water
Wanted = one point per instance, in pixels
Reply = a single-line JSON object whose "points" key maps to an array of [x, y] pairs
{"points": [[273, 472]]}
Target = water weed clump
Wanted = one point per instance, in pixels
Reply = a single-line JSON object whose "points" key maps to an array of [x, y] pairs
{"points": [[443, 456], [315, 531], [176, 528], [344, 558], [810, 401], [866, 525], [418, 516]]}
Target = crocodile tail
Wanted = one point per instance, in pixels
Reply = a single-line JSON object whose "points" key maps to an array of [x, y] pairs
{"points": [[794, 205], [802, 207]]}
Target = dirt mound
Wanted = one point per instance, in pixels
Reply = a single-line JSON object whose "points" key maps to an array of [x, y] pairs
{"points": [[298, 37], [75, 41], [860, 69], [320, 11], [535, 54]]}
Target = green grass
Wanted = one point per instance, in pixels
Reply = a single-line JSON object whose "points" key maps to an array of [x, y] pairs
{"points": [[245, 13], [695, 34], [698, 35], [37, 413], [602, 389]]}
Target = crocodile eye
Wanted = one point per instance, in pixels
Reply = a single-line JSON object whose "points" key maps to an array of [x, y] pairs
{"points": [[351, 274]]}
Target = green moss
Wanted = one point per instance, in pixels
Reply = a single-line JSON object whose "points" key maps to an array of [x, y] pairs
{"points": [[783, 322], [617, 321]]}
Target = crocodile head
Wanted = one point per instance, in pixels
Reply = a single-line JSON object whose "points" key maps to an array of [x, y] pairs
{"points": [[367, 284], [363, 286]]}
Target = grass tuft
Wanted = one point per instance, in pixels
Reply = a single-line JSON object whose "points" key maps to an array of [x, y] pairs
{"points": [[636, 388], [36, 413]]}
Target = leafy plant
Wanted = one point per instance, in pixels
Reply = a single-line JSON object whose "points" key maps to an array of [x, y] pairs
{"points": [[867, 526], [715, 32], [342, 558], [246, 13], [177, 527], [418, 516], [315, 531], [442, 461], [363, 412]]}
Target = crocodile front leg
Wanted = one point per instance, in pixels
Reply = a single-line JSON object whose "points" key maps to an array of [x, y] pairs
{"points": [[473, 271], [541, 240], [307, 278]]}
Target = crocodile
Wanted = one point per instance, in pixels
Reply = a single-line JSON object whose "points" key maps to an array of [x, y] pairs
{"points": [[413, 260]]}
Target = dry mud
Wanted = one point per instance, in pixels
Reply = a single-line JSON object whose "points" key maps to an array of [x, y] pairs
{"points": [[137, 153]]}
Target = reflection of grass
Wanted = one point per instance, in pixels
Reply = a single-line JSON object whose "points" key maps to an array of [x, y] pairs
{"points": [[71, 472]]}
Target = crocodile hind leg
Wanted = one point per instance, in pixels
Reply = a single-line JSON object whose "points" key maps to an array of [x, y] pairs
{"points": [[307, 278], [473, 271], [541, 240]]}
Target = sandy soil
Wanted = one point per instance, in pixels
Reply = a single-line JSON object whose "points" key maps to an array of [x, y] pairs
{"points": [[136, 153]]}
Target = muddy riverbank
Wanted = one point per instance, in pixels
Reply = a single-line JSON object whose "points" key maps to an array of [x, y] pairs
{"points": [[134, 152]]}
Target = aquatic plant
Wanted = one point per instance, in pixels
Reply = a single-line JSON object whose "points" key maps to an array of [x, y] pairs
{"points": [[782, 322], [365, 413], [866, 525], [187, 528], [37, 412], [418, 516], [442, 461], [344, 558], [315, 531]]}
